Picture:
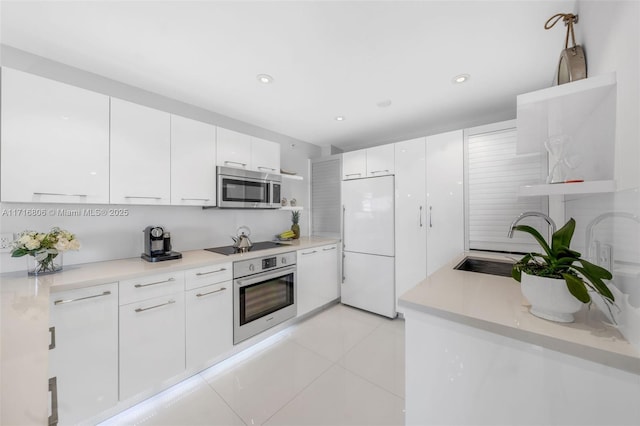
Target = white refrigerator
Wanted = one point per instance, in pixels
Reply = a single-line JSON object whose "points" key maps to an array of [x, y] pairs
{"points": [[368, 273]]}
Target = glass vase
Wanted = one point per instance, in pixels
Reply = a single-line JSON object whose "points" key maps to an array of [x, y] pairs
{"points": [[50, 264]]}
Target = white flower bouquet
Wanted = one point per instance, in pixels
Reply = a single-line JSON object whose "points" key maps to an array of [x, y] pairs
{"points": [[44, 248]]}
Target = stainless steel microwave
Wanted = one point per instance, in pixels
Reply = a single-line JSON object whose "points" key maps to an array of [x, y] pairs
{"points": [[247, 189]]}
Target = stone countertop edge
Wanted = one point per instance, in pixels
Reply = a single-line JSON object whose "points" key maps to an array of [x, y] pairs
{"points": [[97, 273], [605, 344]]}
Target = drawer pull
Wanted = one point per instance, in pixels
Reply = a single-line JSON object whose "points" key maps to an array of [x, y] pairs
{"points": [[52, 332], [353, 174], [266, 168], [210, 272], [142, 196], [379, 171], [169, 302], [330, 248], [61, 301], [195, 199], [309, 252], [155, 283], [211, 292], [236, 162], [58, 193]]}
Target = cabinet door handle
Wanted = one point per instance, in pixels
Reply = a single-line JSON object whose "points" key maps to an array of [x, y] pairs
{"points": [[353, 174], [330, 248], [57, 193], [236, 162], [343, 244], [420, 216], [168, 302], [379, 171], [53, 388], [52, 342], [195, 199], [61, 301], [143, 197], [266, 168], [309, 252], [210, 272], [155, 283], [430, 216], [211, 292]]}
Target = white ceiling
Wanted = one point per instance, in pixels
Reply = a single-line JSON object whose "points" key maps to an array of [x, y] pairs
{"points": [[328, 58]]}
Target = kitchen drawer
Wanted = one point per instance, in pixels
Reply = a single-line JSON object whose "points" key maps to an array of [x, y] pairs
{"points": [[206, 275], [149, 286]]}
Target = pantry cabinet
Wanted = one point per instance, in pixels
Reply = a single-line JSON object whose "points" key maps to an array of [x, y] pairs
{"points": [[317, 279], [410, 214], [83, 352], [370, 162], [140, 154], [151, 331], [209, 314], [193, 162], [55, 141], [246, 152]]}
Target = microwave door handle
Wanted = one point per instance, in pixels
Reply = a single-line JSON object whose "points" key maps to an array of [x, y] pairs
{"points": [[264, 277]]}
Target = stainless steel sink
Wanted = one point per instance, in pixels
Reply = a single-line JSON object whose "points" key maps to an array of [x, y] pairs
{"points": [[485, 266]]}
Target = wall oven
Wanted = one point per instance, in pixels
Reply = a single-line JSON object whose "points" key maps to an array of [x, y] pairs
{"points": [[264, 294], [238, 188]]}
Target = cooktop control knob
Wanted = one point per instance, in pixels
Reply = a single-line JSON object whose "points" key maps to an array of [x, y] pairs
{"points": [[284, 260], [251, 267]]}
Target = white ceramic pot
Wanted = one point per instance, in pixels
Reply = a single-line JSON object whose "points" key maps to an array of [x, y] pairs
{"points": [[550, 298]]}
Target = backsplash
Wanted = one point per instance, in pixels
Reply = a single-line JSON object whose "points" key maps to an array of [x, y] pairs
{"points": [[615, 220], [116, 237]]}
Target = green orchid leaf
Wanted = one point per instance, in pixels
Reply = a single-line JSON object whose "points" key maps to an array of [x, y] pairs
{"points": [[566, 261], [599, 285], [535, 234], [562, 237], [516, 273], [595, 270], [577, 288]]}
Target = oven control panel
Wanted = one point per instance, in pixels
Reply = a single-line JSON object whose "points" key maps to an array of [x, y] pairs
{"points": [[257, 265]]}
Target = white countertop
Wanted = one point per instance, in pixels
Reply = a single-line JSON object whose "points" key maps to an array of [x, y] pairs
{"points": [[24, 319], [496, 304]]}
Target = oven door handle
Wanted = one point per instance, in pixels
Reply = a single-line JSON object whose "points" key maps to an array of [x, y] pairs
{"points": [[258, 278]]}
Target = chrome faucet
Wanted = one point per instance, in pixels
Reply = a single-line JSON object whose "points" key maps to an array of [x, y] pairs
{"points": [[550, 221], [597, 220]]}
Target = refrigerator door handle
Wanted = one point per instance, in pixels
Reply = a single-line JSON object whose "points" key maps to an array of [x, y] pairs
{"points": [[420, 216], [430, 216], [343, 245]]}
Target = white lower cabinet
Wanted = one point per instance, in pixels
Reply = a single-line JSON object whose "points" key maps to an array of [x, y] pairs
{"points": [[317, 277], [209, 314], [152, 342], [84, 350]]}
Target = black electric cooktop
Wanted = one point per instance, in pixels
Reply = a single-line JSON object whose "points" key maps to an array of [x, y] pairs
{"points": [[227, 250]]}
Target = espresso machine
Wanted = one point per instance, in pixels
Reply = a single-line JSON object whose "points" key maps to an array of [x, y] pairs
{"points": [[157, 245]]}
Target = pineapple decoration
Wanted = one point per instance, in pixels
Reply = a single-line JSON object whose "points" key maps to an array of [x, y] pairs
{"points": [[295, 218]]}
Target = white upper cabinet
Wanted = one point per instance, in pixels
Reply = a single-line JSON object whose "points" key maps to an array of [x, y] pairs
{"points": [[234, 149], [380, 160], [140, 154], [445, 199], [265, 156], [410, 217], [55, 141], [193, 162], [246, 152], [370, 162]]}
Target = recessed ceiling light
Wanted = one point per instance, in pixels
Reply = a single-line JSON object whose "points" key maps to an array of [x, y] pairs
{"points": [[340, 118], [384, 104], [264, 78], [458, 79]]}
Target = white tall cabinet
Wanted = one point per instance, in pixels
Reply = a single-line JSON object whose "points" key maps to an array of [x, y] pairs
{"points": [[140, 154], [83, 352], [55, 141], [445, 198], [410, 218], [193, 162]]}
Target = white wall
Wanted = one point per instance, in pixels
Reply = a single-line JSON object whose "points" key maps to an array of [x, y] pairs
{"points": [[610, 33], [105, 238]]}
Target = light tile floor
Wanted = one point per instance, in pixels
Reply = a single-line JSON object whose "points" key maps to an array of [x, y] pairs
{"points": [[342, 366]]}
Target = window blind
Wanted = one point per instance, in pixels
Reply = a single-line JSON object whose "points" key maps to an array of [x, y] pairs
{"points": [[494, 174], [325, 197]]}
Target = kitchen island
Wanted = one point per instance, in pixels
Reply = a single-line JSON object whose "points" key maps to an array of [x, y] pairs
{"points": [[24, 320], [475, 355]]}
